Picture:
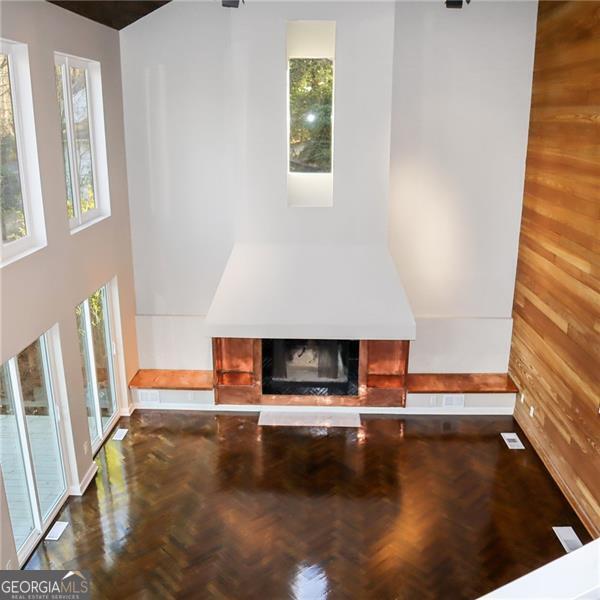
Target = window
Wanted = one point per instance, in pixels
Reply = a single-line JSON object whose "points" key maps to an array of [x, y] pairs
{"points": [[79, 93], [21, 211], [311, 104], [30, 444], [97, 357], [310, 49]]}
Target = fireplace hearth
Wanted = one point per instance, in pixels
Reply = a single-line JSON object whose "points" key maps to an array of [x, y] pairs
{"points": [[310, 367], [307, 372]]}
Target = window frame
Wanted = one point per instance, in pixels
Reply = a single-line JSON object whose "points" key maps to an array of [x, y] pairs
{"points": [[113, 367], [310, 39], [93, 82], [27, 155]]}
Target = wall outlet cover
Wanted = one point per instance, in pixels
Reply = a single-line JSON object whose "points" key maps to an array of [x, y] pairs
{"points": [[454, 400], [149, 397]]}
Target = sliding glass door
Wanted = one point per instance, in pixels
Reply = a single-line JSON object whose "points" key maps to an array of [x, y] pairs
{"points": [[30, 447], [42, 427], [13, 462], [97, 356]]}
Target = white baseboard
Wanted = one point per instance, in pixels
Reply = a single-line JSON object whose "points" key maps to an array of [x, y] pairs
{"points": [[127, 412], [79, 489], [416, 404], [373, 410]]}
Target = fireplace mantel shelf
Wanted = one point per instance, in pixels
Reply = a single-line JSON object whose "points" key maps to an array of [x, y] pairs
{"points": [[465, 383]]}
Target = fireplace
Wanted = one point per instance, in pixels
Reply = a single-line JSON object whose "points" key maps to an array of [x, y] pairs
{"points": [[310, 367], [310, 371]]}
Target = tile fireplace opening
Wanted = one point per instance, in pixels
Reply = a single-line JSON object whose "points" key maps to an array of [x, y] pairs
{"points": [[310, 367]]}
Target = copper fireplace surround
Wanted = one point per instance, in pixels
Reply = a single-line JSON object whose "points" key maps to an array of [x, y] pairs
{"points": [[237, 372]]}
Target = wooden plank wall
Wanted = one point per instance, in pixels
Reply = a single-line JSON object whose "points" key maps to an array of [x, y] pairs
{"points": [[555, 355]]}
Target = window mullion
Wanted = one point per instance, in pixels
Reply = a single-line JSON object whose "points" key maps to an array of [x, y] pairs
{"points": [[92, 361], [91, 120], [111, 348], [24, 436], [53, 403], [70, 123]]}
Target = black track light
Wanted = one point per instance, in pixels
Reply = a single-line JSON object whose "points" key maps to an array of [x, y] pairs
{"points": [[455, 3]]}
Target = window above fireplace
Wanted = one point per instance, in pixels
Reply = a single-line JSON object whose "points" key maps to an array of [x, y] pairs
{"points": [[311, 75]]}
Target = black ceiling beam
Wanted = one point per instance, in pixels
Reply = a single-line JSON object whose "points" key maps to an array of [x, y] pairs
{"points": [[116, 14]]}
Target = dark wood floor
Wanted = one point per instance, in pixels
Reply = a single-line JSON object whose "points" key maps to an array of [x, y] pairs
{"points": [[196, 505]]}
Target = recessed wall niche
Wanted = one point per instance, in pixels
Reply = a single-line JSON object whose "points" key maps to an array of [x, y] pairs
{"points": [[310, 113]]}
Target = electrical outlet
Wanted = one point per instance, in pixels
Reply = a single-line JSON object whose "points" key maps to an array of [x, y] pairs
{"points": [[86, 447], [8, 565], [531, 411]]}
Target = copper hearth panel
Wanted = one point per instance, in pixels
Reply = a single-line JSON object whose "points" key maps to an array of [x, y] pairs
{"points": [[235, 354], [382, 375]]}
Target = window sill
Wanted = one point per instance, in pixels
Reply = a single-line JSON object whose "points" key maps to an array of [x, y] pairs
{"points": [[4, 262], [89, 223]]}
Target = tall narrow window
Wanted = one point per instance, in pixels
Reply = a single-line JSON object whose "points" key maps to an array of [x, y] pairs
{"points": [[78, 89], [97, 357], [14, 225], [21, 212], [311, 107], [30, 447], [311, 50]]}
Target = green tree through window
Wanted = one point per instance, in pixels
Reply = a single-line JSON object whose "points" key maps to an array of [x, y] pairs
{"points": [[311, 107], [11, 197]]}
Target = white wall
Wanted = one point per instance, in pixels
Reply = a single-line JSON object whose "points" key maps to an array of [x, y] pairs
{"points": [[43, 289], [206, 143], [364, 45], [177, 105], [206, 139], [460, 117], [206, 146], [174, 342]]}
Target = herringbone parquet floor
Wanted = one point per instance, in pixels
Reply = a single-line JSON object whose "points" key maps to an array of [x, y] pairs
{"points": [[194, 505]]}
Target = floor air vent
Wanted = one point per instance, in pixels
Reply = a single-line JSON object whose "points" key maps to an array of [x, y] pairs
{"points": [[512, 441], [56, 531], [568, 538], [120, 434]]}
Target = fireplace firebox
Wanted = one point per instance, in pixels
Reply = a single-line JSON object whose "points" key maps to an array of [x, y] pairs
{"points": [[310, 367]]}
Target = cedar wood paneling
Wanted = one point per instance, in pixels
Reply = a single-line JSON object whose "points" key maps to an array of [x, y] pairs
{"points": [[555, 355]]}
